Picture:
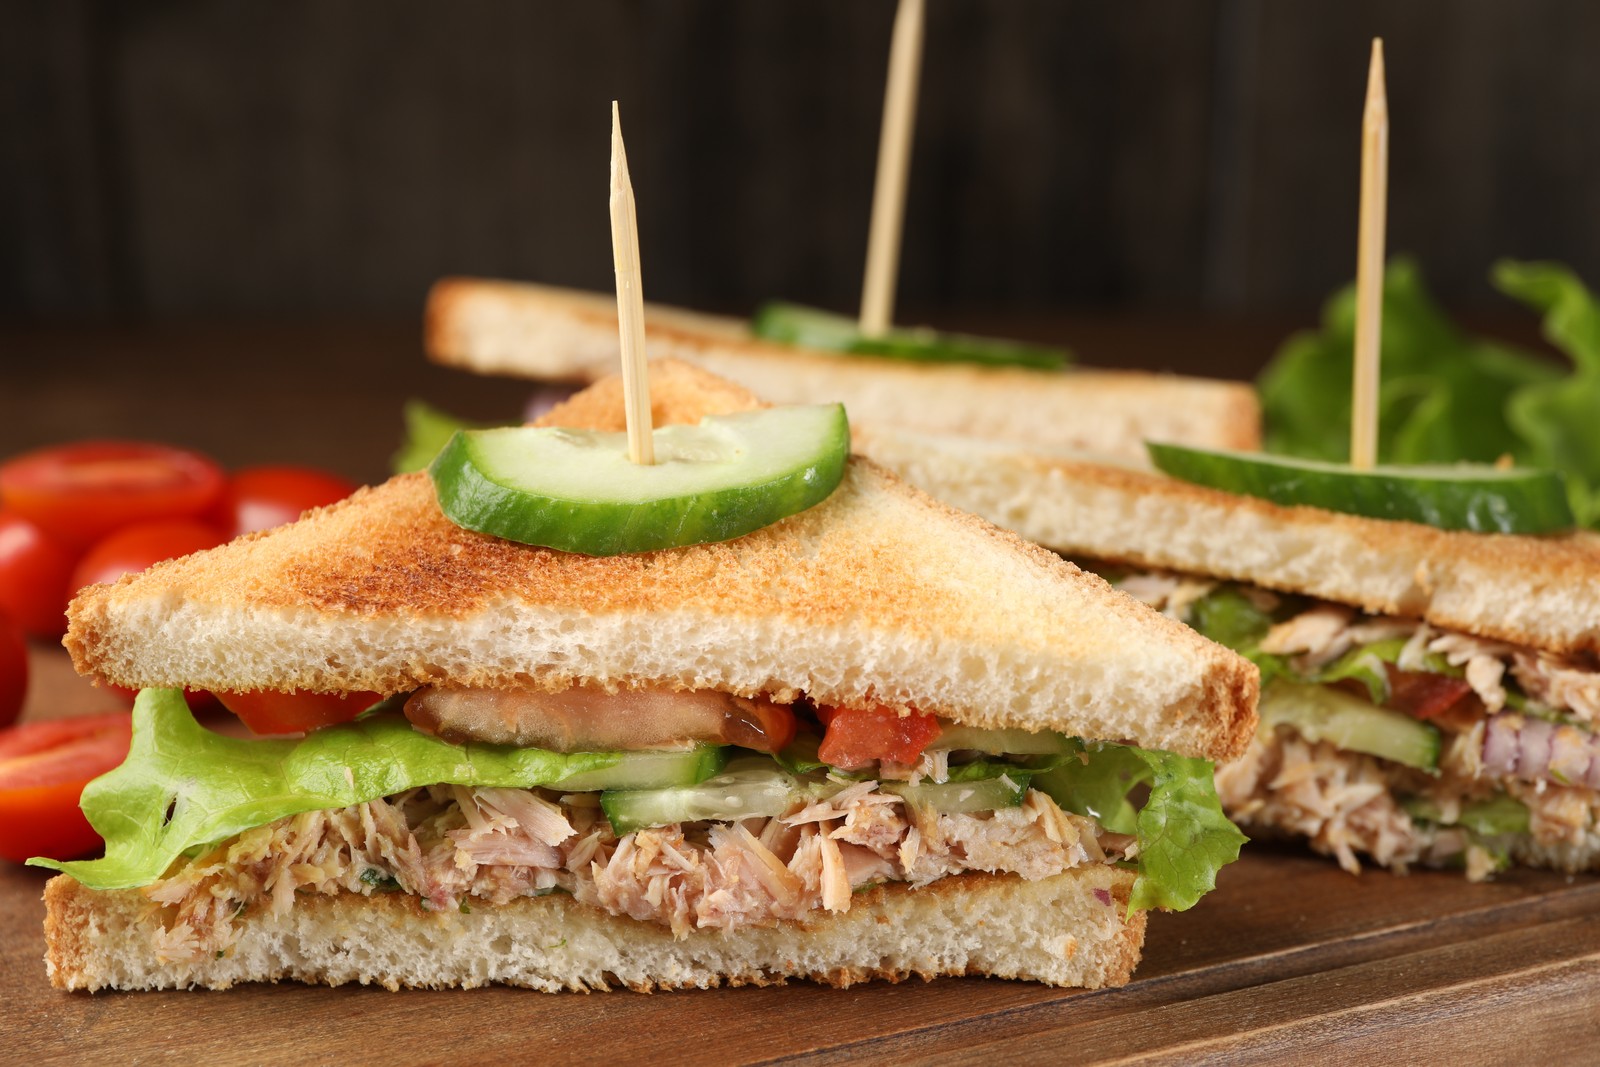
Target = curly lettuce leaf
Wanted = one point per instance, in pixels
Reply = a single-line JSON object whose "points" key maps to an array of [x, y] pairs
{"points": [[1184, 837], [1443, 394], [1557, 419], [184, 787], [1229, 617]]}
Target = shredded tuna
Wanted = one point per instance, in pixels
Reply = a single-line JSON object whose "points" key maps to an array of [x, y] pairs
{"points": [[1346, 803], [445, 844]]}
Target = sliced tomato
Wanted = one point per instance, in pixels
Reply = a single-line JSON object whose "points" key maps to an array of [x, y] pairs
{"points": [[759, 724], [856, 737], [135, 548], [43, 769], [266, 711], [13, 670], [79, 493], [35, 571], [259, 498]]}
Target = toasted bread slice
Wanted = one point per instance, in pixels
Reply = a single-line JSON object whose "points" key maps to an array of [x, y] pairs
{"points": [[1538, 591], [878, 595], [544, 332], [1069, 930]]}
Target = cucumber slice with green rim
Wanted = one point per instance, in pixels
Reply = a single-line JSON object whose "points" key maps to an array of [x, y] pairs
{"points": [[1499, 814], [954, 737], [1345, 720], [811, 328], [650, 770], [577, 491], [749, 788], [956, 798], [1462, 497]]}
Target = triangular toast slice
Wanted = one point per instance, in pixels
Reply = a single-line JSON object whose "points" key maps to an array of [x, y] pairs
{"points": [[878, 595], [552, 333]]}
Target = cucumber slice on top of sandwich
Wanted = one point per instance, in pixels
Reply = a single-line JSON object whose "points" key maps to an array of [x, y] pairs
{"points": [[812, 328], [1465, 496], [577, 490]]}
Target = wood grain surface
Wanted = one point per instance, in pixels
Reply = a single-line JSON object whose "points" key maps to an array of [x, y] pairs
{"points": [[1290, 960]]}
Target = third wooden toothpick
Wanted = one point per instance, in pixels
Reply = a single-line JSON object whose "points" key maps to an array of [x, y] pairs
{"points": [[1369, 266]]}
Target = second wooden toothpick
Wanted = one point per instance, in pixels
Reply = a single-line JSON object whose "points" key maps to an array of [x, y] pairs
{"points": [[1369, 266], [630, 300]]}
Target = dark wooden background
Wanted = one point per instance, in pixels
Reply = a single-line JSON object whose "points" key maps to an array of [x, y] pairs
{"points": [[180, 158]]}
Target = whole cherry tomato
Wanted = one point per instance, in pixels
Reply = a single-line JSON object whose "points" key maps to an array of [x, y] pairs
{"points": [[34, 574], [259, 498], [135, 548], [43, 769], [13, 670], [269, 712], [79, 493]]}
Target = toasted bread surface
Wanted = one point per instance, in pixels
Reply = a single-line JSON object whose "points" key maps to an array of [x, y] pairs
{"points": [[879, 595], [546, 332], [1069, 930], [1540, 591]]}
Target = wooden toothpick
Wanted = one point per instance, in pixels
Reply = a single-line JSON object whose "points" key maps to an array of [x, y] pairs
{"points": [[894, 164], [1369, 266], [630, 300]]}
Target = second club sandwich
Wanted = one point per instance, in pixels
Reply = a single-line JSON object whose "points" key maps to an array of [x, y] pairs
{"points": [[1429, 696], [552, 334], [877, 738]]}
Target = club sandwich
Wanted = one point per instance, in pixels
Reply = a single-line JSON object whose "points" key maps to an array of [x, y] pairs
{"points": [[876, 739]]}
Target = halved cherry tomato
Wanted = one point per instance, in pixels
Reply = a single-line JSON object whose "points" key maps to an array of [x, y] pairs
{"points": [[856, 737], [34, 574], [13, 670], [80, 492], [135, 548], [268, 712], [259, 498], [43, 769]]}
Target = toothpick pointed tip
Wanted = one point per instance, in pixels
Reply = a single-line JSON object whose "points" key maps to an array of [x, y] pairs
{"points": [[1375, 74]]}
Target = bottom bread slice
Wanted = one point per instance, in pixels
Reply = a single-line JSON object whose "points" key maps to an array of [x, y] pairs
{"points": [[1068, 930]]}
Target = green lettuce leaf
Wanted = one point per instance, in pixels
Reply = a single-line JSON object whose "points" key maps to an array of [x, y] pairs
{"points": [[427, 431], [1443, 394], [1228, 617], [183, 787], [1184, 837], [1559, 420]]}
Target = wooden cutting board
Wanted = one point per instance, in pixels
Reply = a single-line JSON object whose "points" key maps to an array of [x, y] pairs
{"points": [[1290, 960]]}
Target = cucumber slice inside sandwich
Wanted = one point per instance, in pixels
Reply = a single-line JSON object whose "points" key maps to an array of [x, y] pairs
{"points": [[577, 491], [811, 328], [1343, 719], [1465, 496]]}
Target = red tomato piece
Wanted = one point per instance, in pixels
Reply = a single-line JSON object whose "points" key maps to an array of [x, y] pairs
{"points": [[13, 670], [43, 769], [761, 725], [35, 571], [856, 737], [135, 548], [259, 498], [268, 712], [79, 493], [1428, 696]]}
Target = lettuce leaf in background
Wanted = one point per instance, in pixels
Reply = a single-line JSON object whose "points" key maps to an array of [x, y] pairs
{"points": [[427, 431], [1558, 420], [1443, 395]]}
